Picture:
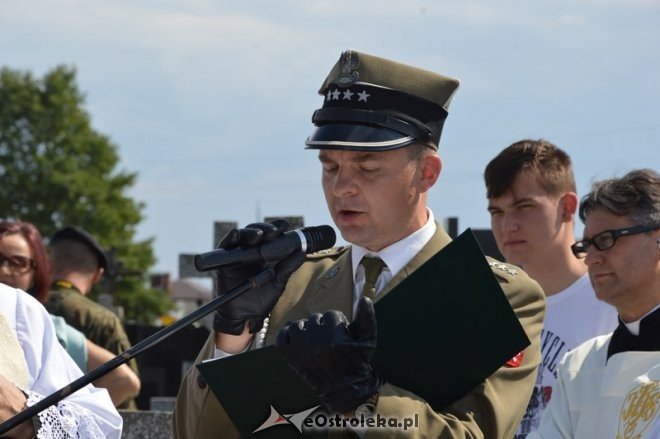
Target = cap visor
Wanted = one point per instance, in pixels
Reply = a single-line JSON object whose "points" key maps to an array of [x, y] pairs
{"points": [[356, 138]]}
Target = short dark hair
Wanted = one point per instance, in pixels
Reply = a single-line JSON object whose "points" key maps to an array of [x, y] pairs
{"points": [[636, 194], [418, 151], [69, 254], [73, 233], [549, 164]]}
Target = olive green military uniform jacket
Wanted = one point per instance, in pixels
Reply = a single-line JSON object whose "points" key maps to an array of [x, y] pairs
{"points": [[100, 325], [491, 410]]}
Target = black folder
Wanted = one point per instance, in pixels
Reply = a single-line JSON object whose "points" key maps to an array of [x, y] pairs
{"points": [[442, 331]]}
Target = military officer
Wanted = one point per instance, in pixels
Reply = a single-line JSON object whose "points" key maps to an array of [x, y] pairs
{"points": [[377, 137], [78, 263]]}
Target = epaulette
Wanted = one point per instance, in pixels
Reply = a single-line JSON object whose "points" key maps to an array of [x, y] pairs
{"points": [[502, 270], [329, 253]]}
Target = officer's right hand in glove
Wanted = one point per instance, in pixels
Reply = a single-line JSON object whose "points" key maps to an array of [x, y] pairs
{"points": [[254, 305], [333, 356]]}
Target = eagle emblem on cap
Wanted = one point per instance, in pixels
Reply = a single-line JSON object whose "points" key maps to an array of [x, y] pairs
{"points": [[348, 64]]}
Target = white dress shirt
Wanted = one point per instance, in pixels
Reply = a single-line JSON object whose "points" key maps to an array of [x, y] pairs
{"points": [[395, 256]]}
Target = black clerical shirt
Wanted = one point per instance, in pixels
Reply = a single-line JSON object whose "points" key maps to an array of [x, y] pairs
{"points": [[647, 340]]}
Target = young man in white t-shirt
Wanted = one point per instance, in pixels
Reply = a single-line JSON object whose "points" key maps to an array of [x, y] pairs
{"points": [[532, 201]]}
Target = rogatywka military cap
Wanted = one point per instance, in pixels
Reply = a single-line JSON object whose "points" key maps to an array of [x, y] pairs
{"points": [[374, 104], [77, 234]]}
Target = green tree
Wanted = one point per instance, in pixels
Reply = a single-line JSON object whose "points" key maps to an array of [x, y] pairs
{"points": [[56, 170]]}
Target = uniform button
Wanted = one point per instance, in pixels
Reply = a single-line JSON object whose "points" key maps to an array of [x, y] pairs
{"points": [[201, 382]]}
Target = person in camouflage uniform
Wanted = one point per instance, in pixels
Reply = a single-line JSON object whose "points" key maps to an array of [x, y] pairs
{"points": [[78, 263]]}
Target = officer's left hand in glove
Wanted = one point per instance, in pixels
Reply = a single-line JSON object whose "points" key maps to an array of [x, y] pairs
{"points": [[333, 356]]}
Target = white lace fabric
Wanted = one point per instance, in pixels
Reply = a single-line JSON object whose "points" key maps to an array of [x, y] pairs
{"points": [[65, 420]]}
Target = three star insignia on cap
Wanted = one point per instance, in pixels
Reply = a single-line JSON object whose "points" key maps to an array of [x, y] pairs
{"points": [[504, 267], [336, 95]]}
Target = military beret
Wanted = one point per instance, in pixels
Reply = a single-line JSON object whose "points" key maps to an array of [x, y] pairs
{"points": [[374, 104], [77, 234]]}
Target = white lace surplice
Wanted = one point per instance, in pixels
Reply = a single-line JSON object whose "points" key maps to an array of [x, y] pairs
{"points": [[65, 420], [87, 413]]}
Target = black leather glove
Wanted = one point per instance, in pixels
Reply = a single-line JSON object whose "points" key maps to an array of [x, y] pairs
{"points": [[254, 305], [333, 356]]}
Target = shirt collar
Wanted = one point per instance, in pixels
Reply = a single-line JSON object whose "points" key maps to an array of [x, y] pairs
{"points": [[642, 335], [397, 255], [62, 284], [634, 327]]}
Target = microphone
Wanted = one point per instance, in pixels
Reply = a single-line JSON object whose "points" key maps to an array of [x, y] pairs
{"points": [[307, 239]]}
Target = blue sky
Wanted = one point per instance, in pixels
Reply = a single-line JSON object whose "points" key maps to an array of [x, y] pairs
{"points": [[210, 102]]}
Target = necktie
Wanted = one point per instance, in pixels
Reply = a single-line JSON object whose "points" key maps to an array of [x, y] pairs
{"points": [[372, 269]]}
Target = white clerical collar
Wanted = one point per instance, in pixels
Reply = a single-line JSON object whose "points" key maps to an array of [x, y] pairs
{"points": [[397, 255], [633, 327]]}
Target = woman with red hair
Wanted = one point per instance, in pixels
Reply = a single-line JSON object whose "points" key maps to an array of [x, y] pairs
{"points": [[24, 264]]}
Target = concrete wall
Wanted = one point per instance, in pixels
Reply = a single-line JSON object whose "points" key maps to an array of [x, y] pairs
{"points": [[142, 424]]}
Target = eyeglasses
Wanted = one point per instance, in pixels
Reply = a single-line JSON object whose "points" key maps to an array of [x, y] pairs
{"points": [[607, 239], [17, 264]]}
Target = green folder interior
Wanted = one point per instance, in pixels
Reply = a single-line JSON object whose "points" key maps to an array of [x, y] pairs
{"points": [[441, 332]]}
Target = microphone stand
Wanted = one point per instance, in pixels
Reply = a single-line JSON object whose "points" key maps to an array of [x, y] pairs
{"points": [[255, 282]]}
